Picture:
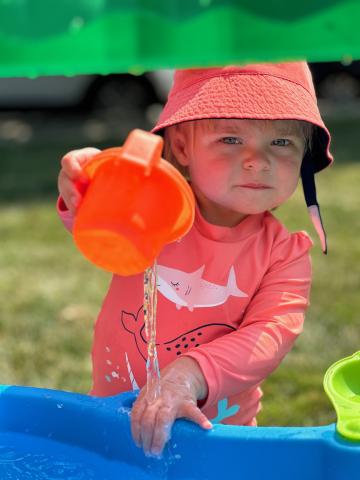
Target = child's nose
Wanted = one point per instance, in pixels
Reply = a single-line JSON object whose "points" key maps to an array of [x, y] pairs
{"points": [[256, 160]]}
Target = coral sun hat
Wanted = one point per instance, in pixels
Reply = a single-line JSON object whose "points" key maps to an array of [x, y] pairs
{"points": [[282, 91]]}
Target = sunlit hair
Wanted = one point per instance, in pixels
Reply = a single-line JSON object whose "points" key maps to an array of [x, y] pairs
{"points": [[191, 128]]}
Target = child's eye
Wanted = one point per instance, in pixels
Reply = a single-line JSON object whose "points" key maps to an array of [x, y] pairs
{"points": [[281, 142], [231, 140]]}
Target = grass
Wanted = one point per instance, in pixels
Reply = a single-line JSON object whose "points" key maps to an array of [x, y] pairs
{"points": [[50, 296]]}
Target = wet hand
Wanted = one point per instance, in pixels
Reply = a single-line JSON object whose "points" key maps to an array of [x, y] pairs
{"points": [[72, 180], [182, 384]]}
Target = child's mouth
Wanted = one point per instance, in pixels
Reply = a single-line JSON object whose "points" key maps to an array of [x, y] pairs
{"points": [[255, 186]]}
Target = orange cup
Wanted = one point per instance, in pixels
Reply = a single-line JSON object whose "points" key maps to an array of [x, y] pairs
{"points": [[136, 203]]}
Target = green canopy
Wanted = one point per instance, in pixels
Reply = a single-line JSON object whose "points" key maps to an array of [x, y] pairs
{"points": [[48, 37]]}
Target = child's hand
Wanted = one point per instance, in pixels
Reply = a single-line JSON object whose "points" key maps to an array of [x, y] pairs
{"points": [[72, 180], [182, 385]]}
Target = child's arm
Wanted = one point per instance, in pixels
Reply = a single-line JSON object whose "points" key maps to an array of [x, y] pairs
{"points": [[241, 360], [182, 384]]}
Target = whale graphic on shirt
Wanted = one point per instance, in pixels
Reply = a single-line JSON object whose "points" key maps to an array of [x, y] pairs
{"points": [[192, 291], [171, 347]]}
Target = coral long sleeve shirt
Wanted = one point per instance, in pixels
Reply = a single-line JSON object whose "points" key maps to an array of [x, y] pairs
{"points": [[233, 299]]}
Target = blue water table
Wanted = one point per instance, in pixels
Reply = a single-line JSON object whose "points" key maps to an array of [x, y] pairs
{"points": [[55, 435]]}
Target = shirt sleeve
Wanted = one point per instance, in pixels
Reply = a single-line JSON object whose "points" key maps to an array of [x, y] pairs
{"points": [[274, 318], [65, 216]]}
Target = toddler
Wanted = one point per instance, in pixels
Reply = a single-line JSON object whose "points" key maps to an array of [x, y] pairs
{"points": [[232, 292]]}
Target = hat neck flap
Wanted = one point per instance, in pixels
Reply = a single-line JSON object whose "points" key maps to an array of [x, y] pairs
{"points": [[309, 187]]}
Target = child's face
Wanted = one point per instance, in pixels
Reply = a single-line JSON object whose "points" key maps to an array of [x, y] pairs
{"points": [[241, 167]]}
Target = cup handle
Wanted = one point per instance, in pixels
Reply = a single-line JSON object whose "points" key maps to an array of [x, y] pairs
{"points": [[143, 146]]}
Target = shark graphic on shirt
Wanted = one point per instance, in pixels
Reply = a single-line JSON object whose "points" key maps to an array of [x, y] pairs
{"points": [[192, 291]]}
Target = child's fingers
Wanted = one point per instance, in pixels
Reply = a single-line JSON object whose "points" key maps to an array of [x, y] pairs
{"points": [[72, 180], [136, 415], [147, 427], [193, 413], [73, 162], [157, 429], [162, 429], [151, 425], [74, 202], [68, 191]]}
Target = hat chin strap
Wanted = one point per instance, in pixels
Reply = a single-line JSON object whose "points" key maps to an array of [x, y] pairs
{"points": [[309, 187]]}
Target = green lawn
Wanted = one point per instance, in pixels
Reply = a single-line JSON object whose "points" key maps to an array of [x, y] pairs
{"points": [[49, 295]]}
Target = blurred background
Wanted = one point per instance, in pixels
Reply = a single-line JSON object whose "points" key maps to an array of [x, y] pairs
{"points": [[50, 296]]}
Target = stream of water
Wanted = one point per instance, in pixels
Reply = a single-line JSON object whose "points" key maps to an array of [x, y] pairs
{"points": [[152, 364]]}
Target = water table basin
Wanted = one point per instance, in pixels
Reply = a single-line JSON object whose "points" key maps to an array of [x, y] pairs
{"points": [[53, 435]]}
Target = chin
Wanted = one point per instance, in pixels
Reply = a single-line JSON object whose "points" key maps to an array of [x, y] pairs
{"points": [[252, 210]]}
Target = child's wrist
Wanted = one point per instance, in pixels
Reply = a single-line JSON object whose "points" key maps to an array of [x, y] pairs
{"points": [[195, 375]]}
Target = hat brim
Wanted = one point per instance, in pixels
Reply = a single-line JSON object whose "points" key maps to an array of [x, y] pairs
{"points": [[257, 97]]}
